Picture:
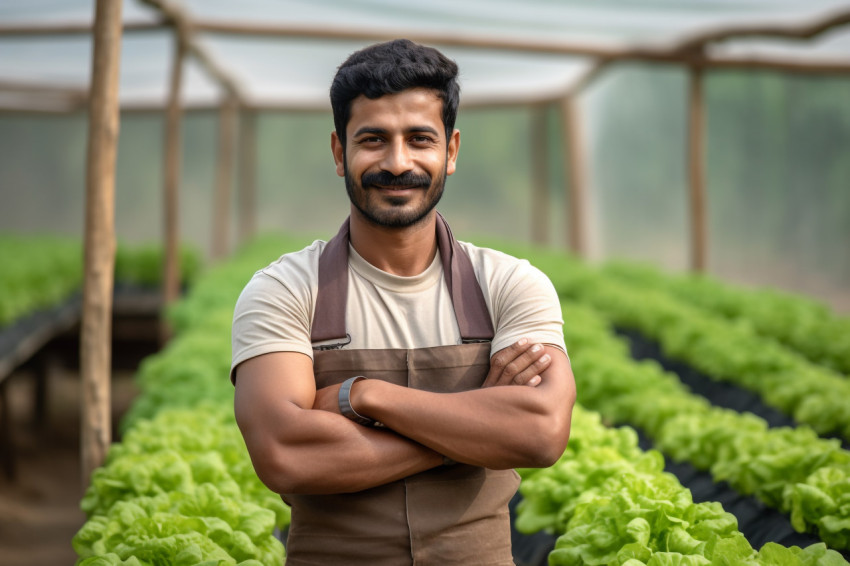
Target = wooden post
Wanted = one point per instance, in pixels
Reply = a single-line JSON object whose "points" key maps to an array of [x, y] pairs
{"points": [[574, 157], [247, 175], [540, 201], [171, 200], [696, 169], [99, 260], [223, 178]]}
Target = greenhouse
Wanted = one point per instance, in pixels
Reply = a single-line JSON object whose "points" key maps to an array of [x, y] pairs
{"points": [[679, 171]]}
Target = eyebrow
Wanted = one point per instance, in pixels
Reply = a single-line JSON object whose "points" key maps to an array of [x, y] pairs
{"points": [[382, 131]]}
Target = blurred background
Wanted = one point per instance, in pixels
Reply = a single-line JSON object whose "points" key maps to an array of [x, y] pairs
{"points": [[775, 151]]}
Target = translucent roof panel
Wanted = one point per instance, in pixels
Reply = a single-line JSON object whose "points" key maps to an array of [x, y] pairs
{"points": [[832, 45], [273, 70], [298, 73], [67, 11], [619, 20], [64, 62]]}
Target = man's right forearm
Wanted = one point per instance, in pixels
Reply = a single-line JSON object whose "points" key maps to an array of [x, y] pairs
{"points": [[339, 457], [297, 448]]}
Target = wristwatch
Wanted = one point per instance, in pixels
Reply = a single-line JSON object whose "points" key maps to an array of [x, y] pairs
{"points": [[345, 403]]}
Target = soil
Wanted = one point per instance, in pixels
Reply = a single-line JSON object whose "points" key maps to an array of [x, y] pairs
{"points": [[40, 507]]}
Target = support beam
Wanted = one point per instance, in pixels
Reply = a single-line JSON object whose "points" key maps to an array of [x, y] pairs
{"points": [[540, 200], [31, 29], [696, 169], [99, 261], [171, 182], [799, 29], [575, 164], [227, 116], [247, 175], [184, 28]]}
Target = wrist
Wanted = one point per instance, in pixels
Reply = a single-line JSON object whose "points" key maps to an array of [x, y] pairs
{"points": [[349, 398]]}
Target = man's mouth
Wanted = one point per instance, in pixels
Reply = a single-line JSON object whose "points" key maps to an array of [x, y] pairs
{"points": [[396, 187]]}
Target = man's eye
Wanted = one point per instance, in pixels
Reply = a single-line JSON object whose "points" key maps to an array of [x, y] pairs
{"points": [[422, 139]]}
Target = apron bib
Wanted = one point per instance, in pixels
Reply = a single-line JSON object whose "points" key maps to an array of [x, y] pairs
{"points": [[448, 515]]}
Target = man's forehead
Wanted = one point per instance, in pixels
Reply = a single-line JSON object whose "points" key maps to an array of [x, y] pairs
{"points": [[416, 101]]}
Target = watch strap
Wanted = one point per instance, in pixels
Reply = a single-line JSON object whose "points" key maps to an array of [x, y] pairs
{"points": [[345, 402]]}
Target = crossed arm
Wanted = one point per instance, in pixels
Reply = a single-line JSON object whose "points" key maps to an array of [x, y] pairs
{"points": [[299, 443]]}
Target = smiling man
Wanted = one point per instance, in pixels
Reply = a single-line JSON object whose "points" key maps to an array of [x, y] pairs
{"points": [[389, 380]]}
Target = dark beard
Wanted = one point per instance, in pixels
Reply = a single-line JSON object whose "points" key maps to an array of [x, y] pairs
{"points": [[394, 218]]}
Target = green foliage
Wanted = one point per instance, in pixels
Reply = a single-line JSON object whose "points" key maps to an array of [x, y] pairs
{"points": [[790, 469], [614, 504], [800, 323], [40, 272], [180, 488], [37, 272], [142, 264], [720, 349]]}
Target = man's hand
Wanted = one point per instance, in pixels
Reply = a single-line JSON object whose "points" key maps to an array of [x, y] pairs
{"points": [[521, 363]]}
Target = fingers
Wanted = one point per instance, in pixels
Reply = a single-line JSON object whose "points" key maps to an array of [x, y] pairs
{"points": [[518, 364], [502, 359], [531, 375]]}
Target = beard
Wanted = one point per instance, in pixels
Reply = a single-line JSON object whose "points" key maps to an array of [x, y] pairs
{"points": [[394, 212]]}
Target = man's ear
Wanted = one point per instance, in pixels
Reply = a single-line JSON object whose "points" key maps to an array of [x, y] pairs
{"points": [[452, 151], [339, 154]]}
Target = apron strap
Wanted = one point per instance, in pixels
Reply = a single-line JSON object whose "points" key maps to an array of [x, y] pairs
{"points": [[471, 312]]}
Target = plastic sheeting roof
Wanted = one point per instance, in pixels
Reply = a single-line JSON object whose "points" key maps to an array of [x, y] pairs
{"points": [[296, 71]]}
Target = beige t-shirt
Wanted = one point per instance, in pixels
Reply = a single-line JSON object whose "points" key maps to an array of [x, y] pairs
{"points": [[275, 310]]}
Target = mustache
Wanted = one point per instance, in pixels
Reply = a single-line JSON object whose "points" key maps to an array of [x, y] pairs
{"points": [[387, 179]]}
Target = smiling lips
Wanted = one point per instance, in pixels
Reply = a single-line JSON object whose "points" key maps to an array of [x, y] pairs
{"points": [[397, 188]]}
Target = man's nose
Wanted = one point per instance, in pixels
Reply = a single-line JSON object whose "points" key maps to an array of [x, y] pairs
{"points": [[397, 159]]}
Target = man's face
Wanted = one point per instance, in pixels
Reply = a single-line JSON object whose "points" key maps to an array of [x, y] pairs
{"points": [[397, 157]]}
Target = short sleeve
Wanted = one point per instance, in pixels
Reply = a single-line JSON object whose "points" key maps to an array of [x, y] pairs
{"points": [[528, 307], [269, 316]]}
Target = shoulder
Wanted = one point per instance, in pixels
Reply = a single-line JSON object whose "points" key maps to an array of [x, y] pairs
{"points": [[294, 267], [521, 298], [289, 271], [495, 268]]}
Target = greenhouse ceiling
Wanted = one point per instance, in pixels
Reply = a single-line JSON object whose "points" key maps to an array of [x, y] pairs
{"points": [[282, 53]]}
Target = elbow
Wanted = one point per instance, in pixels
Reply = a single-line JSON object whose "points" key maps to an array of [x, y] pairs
{"points": [[552, 432], [282, 477], [549, 448]]}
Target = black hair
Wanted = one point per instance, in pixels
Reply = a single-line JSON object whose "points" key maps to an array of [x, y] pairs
{"points": [[390, 68]]}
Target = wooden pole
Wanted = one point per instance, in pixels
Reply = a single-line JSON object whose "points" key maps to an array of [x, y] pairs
{"points": [[574, 163], [540, 201], [247, 175], [224, 178], [99, 255], [696, 169], [171, 200]]}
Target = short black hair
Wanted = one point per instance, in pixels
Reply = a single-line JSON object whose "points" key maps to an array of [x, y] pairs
{"points": [[390, 68]]}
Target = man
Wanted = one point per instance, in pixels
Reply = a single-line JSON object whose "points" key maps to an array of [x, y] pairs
{"points": [[365, 387]]}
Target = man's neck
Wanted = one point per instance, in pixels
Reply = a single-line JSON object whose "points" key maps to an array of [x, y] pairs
{"points": [[401, 251]]}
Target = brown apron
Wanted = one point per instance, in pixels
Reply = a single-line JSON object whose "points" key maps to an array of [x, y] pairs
{"points": [[448, 515]]}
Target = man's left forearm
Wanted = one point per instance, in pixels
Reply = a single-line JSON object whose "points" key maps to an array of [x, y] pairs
{"points": [[495, 427]]}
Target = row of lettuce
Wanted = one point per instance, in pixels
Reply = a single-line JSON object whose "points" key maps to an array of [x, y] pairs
{"points": [[43, 271], [179, 488], [790, 469], [804, 325], [730, 350]]}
